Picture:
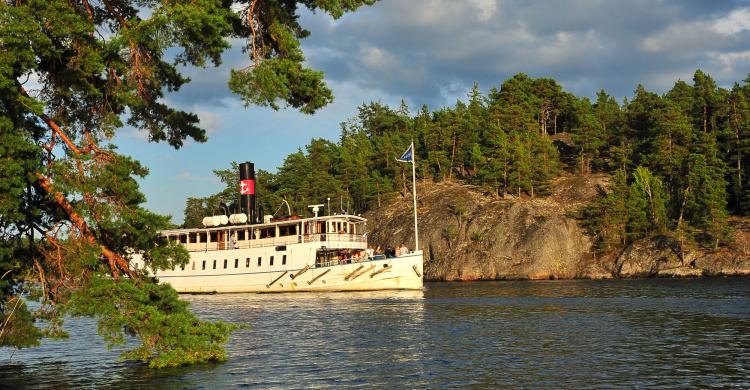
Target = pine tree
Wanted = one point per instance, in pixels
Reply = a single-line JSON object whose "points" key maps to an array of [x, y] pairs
{"points": [[472, 131], [705, 99], [607, 217], [71, 209], [648, 189], [670, 145], [738, 123], [706, 199], [498, 163], [590, 138]]}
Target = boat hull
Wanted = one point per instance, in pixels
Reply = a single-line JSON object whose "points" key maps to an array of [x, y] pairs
{"points": [[403, 273]]}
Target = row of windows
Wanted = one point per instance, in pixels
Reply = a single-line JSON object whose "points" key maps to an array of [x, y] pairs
{"points": [[243, 234], [237, 263], [195, 237]]}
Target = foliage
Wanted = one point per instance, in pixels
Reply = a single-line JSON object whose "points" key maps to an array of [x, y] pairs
{"points": [[71, 74], [691, 145], [679, 162], [142, 309]]}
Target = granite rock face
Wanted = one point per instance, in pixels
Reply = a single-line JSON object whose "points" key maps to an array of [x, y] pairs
{"points": [[467, 235]]}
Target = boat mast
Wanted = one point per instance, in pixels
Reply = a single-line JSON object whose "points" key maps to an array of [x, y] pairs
{"points": [[414, 195], [410, 156]]}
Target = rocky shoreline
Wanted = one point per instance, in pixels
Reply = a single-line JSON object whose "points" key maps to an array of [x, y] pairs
{"points": [[467, 235]]}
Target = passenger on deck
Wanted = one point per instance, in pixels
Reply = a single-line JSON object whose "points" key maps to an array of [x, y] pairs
{"points": [[404, 250], [370, 252]]}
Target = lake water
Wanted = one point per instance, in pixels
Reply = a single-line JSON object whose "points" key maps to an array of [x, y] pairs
{"points": [[550, 334]]}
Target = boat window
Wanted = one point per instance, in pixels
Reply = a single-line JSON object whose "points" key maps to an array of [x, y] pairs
{"points": [[202, 236], [192, 238], [203, 266], [287, 230], [241, 235], [182, 267], [225, 263], [247, 262], [270, 262], [214, 263], [260, 261], [267, 232], [183, 238], [214, 236], [283, 260], [236, 263]]}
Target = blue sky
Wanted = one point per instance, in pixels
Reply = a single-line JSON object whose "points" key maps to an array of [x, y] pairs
{"points": [[430, 52]]}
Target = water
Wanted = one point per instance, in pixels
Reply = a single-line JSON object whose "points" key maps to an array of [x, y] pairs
{"points": [[552, 334]]}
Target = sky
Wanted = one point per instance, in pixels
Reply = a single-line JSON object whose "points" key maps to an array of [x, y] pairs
{"points": [[431, 52]]}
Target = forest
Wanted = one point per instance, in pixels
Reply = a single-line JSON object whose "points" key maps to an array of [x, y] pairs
{"points": [[679, 161]]}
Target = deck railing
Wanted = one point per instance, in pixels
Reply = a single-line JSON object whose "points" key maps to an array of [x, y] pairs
{"points": [[330, 262], [275, 241]]}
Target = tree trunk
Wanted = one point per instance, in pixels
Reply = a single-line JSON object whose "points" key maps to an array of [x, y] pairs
{"points": [[555, 122], [679, 225], [519, 184], [378, 187], [453, 156], [705, 119], [739, 154], [113, 258], [116, 262], [505, 178], [583, 172]]}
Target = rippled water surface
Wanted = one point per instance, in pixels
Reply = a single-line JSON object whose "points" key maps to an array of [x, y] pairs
{"points": [[570, 334]]}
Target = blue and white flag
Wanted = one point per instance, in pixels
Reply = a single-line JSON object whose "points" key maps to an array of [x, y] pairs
{"points": [[408, 155]]}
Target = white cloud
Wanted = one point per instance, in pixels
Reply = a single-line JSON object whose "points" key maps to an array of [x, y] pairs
{"points": [[684, 36], [208, 119], [698, 35], [486, 9], [736, 21], [733, 61], [375, 57]]}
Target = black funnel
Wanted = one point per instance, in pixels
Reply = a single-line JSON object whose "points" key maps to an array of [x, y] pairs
{"points": [[247, 190]]}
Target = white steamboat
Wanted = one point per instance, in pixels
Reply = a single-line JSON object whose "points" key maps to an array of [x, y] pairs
{"points": [[321, 253]]}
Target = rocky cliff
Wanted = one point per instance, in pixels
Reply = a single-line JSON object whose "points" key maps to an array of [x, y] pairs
{"points": [[467, 235]]}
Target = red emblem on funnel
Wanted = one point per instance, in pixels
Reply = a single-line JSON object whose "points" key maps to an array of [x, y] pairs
{"points": [[247, 187]]}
